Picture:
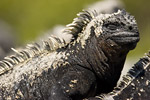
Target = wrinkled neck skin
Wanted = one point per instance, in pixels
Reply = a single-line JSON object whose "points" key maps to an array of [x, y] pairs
{"points": [[109, 57], [103, 57], [115, 54]]}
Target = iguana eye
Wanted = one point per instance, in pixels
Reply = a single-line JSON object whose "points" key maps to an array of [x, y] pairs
{"points": [[112, 26]]}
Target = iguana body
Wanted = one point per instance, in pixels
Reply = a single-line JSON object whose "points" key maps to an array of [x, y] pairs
{"points": [[89, 65]]}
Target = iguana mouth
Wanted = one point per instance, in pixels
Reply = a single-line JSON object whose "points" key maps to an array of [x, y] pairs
{"points": [[126, 37], [126, 34]]}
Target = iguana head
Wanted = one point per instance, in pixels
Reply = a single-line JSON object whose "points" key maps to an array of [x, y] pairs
{"points": [[115, 35], [117, 29]]}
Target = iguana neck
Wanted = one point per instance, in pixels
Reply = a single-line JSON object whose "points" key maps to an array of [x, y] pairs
{"points": [[115, 55], [98, 57]]}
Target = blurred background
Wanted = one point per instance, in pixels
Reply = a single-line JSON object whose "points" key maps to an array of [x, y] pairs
{"points": [[25, 20]]}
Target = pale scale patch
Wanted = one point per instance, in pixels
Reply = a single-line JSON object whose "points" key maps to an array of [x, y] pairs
{"points": [[74, 81], [97, 23], [71, 85]]}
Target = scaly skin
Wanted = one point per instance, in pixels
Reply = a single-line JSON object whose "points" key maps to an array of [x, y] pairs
{"points": [[89, 65]]}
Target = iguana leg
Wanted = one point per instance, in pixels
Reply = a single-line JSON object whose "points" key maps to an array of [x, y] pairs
{"points": [[74, 85]]}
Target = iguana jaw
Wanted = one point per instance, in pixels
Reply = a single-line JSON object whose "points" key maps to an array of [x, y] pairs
{"points": [[128, 39]]}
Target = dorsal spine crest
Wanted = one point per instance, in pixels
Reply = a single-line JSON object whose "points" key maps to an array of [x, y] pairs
{"points": [[80, 22], [30, 51]]}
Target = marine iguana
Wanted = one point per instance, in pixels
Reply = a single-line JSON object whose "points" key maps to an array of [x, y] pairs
{"points": [[88, 65]]}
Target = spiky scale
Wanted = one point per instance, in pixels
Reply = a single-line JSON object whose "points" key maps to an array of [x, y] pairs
{"points": [[30, 51]]}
